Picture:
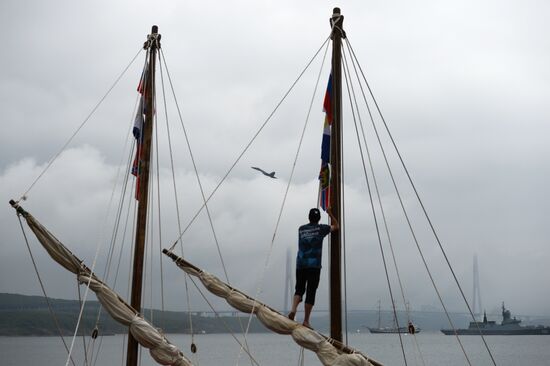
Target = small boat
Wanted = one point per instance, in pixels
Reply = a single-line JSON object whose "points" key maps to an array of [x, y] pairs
{"points": [[508, 326], [411, 328]]}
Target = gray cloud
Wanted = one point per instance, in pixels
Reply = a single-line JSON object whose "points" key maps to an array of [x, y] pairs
{"points": [[465, 92]]}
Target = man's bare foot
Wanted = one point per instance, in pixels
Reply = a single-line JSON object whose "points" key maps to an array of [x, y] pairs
{"points": [[291, 315], [306, 324]]}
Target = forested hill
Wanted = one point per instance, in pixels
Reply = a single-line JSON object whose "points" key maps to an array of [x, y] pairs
{"points": [[22, 315], [23, 302], [29, 315]]}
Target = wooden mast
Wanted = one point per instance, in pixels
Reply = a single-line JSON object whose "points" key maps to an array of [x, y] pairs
{"points": [[336, 23], [152, 44]]}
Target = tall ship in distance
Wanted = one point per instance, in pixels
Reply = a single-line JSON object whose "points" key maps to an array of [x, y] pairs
{"points": [[411, 328], [508, 326]]}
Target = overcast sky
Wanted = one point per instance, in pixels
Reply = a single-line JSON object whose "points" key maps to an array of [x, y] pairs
{"points": [[464, 87]]}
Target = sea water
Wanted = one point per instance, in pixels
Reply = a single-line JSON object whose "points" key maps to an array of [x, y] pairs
{"points": [[426, 348]]}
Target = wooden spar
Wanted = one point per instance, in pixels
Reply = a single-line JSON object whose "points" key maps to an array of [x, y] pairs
{"points": [[182, 263], [144, 163], [336, 22]]}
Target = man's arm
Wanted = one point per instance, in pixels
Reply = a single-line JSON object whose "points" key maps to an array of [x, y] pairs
{"points": [[334, 225]]}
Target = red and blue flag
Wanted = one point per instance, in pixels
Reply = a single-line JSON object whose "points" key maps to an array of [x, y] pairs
{"points": [[324, 174], [137, 131]]}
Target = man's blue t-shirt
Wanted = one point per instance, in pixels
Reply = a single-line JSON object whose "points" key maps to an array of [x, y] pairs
{"points": [[310, 245]]}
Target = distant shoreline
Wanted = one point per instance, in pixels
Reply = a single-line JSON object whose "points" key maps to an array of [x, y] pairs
{"points": [[29, 316]]}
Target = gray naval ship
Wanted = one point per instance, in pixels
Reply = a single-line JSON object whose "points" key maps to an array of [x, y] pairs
{"points": [[508, 326]]}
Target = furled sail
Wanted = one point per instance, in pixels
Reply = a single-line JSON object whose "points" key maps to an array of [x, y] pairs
{"points": [[329, 351], [162, 351]]}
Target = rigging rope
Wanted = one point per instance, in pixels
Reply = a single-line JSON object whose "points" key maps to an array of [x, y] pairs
{"points": [[112, 243], [301, 356], [205, 204], [250, 142], [293, 169], [159, 219], [84, 301], [24, 195], [425, 214], [118, 215], [205, 201], [92, 268], [178, 215], [203, 195], [223, 321], [124, 184], [123, 239], [353, 112], [150, 233], [52, 160], [210, 220], [381, 207], [149, 250], [125, 229], [427, 217], [83, 335], [378, 192], [343, 224], [63, 148], [46, 297], [161, 55], [124, 190]]}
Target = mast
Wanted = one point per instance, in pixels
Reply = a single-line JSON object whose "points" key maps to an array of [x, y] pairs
{"points": [[336, 23], [152, 44]]}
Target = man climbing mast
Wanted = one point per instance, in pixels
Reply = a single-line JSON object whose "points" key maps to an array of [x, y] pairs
{"points": [[308, 261]]}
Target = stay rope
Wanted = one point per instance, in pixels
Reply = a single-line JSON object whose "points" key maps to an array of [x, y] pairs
{"points": [[344, 247], [118, 215], [50, 163], [199, 182], [83, 335], [425, 214], [159, 214], [287, 189], [122, 240], [381, 207], [54, 158], [94, 262], [371, 199], [241, 154], [206, 199], [224, 323], [379, 200], [151, 224], [50, 309], [301, 357]]}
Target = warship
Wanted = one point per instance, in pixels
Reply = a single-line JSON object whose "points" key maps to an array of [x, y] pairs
{"points": [[508, 326]]}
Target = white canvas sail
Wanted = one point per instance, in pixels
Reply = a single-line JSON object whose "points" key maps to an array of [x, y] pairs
{"points": [[161, 350], [329, 351]]}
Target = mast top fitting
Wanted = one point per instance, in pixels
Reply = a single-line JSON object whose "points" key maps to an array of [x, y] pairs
{"points": [[337, 22], [153, 38]]}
